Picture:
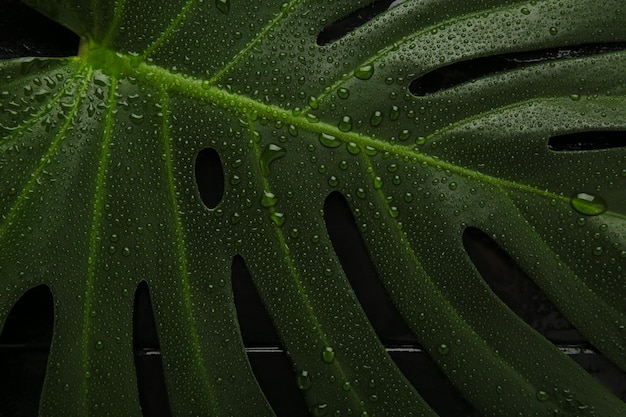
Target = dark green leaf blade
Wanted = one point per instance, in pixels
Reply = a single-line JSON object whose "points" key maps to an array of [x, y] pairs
{"points": [[106, 164]]}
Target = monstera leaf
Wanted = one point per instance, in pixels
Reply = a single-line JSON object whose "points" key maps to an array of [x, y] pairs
{"points": [[101, 191]]}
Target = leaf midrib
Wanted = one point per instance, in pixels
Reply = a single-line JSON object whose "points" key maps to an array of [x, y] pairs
{"points": [[120, 64]]}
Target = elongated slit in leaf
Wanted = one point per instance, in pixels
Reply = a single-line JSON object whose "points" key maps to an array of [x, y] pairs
{"points": [[153, 395], [24, 348], [210, 177], [507, 280], [400, 342], [341, 27], [588, 141], [361, 273], [267, 357], [465, 71], [25, 32]]}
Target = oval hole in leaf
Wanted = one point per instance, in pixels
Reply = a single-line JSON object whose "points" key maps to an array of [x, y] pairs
{"points": [[24, 348], [210, 177], [153, 395], [268, 359], [588, 141], [341, 27], [507, 280], [401, 344], [26, 32], [465, 71]]}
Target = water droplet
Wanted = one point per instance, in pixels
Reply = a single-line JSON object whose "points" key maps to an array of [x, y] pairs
{"points": [[588, 204], [378, 183], [353, 148], [304, 380], [542, 395], [268, 199], [376, 118], [328, 354], [269, 154], [525, 11], [333, 181], [394, 113], [311, 118], [278, 219], [343, 93], [136, 118], [553, 31], [223, 5], [99, 345], [370, 151], [329, 140], [443, 349], [319, 410], [364, 72], [597, 251], [345, 124], [313, 103]]}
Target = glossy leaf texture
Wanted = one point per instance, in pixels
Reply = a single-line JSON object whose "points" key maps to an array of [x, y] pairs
{"points": [[99, 193]]}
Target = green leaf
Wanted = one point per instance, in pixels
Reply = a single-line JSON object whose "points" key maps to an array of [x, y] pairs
{"points": [[99, 194]]}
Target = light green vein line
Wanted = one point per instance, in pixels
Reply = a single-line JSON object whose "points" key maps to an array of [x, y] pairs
{"points": [[182, 255], [94, 235], [293, 272], [252, 43], [197, 88], [167, 32], [431, 287], [115, 23], [23, 196], [394, 46]]}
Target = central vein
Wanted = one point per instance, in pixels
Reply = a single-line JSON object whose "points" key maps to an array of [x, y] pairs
{"points": [[118, 64]]}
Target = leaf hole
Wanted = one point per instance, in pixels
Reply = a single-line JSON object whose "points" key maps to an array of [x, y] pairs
{"points": [[341, 27], [507, 280], [361, 273], [24, 348], [209, 177], [588, 141], [25, 32], [401, 344], [268, 359], [153, 396], [465, 71]]}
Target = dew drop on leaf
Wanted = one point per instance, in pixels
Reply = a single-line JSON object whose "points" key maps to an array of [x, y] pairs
{"points": [[345, 124], [364, 72], [278, 219], [328, 354], [376, 119], [588, 204], [269, 154], [304, 380], [268, 199], [223, 5], [329, 141], [319, 410], [542, 395], [353, 148]]}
